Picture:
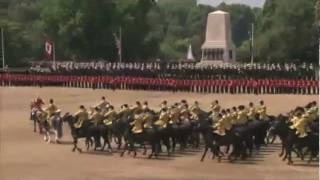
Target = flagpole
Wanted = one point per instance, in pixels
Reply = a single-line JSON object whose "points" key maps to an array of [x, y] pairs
{"points": [[120, 54], [2, 48], [252, 43]]}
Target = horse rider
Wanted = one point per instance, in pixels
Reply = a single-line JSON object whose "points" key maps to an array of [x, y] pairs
{"points": [[163, 119], [145, 106], [251, 112], [51, 109], [300, 125], [174, 114], [262, 111], [137, 109], [195, 111], [137, 123], [224, 123], [215, 109], [163, 105], [184, 114], [103, 104], [96, 117], [241, 118], [110, 116], [125, 112], [82, 115], [147, 117], [37, 103]]}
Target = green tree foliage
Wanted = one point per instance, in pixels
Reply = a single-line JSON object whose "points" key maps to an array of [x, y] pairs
{"points": [[84, 29], [286, 31]]}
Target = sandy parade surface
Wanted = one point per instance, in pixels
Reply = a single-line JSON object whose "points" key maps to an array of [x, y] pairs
{"points": [[24, 155]]}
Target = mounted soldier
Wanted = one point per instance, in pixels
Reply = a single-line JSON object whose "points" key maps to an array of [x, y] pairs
{"points": [[51, 109], [251, 112], [82, 116], [103, 105], [215, 110], [110, 116], [262, 111]]}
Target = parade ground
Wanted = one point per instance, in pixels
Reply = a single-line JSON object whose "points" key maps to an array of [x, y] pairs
{"points": [[25, 156]]}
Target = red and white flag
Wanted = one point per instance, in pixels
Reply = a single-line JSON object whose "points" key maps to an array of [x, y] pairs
{"points": [[48, 49]]}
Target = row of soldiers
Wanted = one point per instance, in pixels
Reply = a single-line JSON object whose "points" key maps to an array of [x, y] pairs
{"points": [[178, 113], [178, 70], [253, 86]]}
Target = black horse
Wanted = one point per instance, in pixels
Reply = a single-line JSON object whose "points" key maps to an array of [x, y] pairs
{"points": [[87, 131], [292, 143], [213, 141]]}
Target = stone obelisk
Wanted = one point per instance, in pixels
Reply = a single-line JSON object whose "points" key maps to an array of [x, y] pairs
{"points": [[218, 46]]}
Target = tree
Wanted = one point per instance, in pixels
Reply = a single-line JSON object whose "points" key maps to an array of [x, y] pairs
{"points": [[286, 31]]}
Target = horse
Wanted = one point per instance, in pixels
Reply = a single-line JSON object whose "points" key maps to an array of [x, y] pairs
{"points": [[213, 141], [43, 124], [86, 131], [152, 136], [33, 117], [291, 142]]}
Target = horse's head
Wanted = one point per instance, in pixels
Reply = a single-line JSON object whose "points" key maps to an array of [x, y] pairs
{"points": [[279, 124], [67, 117]]}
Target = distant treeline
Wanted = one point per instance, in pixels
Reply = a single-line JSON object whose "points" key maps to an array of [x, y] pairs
{"points": [[84, 29]]}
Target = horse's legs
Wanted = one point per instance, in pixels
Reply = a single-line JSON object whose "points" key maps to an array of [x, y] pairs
{"points": [[34, 125], [173, 144], [56, 136], [228, 148], [49, 136], [124, 149], [119, 141], [204, 153], [75, 141], [166, 142]]}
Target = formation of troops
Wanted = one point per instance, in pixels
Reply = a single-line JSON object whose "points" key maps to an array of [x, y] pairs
{"points": [[186, 77], [177, 113]]}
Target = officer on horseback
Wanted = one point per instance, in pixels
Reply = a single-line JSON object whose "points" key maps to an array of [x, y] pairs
{"points": [[51, 109], [110, 116], [163, 119], [103, 105], [251, 112], [195, 111], [82, 115], [262, 111]]}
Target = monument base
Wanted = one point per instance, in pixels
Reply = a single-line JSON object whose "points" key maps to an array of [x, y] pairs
{"points": [[204, 63]]}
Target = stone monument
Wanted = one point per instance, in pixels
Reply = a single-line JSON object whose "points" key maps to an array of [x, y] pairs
{"points": [[218, 46]]}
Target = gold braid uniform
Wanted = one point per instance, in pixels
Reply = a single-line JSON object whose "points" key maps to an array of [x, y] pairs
{"points": [[51, 109], [82, 117], [252, 113], [163, 120], [96, 118], [262, 110], [110, 116], [147, 120], [174, 115], [137, 109], [137, 124], [301, 126], [241, 118]]}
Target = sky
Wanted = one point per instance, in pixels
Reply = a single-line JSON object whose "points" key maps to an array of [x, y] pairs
{"points": [[253, 3]]}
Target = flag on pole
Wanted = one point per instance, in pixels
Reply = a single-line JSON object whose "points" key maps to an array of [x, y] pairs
{"points": [[118, 43], [118, 40], [48, 49]]}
